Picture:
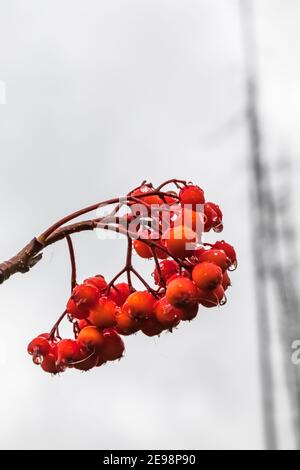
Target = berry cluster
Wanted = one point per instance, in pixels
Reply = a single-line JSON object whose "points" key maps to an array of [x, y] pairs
{"points": [[187, 273]]}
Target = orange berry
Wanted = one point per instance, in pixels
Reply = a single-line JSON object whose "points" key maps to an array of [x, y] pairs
{"points": [[142, 249], [182, 292], [103, 313], [126, 324], [189, 313], [180, 241], [211, 298], [75, 311], [217, 257], [87, 361], [91, 338], [119, 293], [85, 295], [140, 304], [97, 281], [192, 195], [226, 281], [113, 347], [207, 276], [167, 315], [151, 326], [68, 351]]}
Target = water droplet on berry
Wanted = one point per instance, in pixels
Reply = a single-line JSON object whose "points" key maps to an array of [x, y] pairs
{"points": [[37, 359], [223, 301], [234, 266]]}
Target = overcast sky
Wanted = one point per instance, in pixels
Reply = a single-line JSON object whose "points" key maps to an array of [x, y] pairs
{"points": [[101, 95]]}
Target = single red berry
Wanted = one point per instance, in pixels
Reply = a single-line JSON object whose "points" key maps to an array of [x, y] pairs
{"points": [[189, 313], [119, 293], [126, 324], [168, 268], [142, 249], [85, 295], [113, 347], [87, 360], [97, 281], [217, 257], [210, 217], [217, 222], [68, 351], [103, 313], [180, 241], [140, 304], [226, 281], [207, 276], [91, 338], [211, 298], [228, 250], [39, 346], [166, 314], [75, 311], [182, 292], [217, 210], [183, 273], [151, 326], [193, 195], [48, 364]]}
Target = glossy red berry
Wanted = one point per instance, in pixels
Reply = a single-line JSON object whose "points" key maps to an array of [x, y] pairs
{"points": [[87, 360], [91, 338], [211, 298], [113, 347], [217, 257], [168, 268], [142, 249], [151, 326], [75, 311], [166, 314], [97, 281], [68, 351], [180, 241], [193, 195], [143, 191], [39, 346], [126, 324], [207, 276], [226, 281], [182, 292], [48, 364], [85, 295], [83, 323], [119, 293], [140, 304], [210, 217], [189, 313], [103, 313], [228, 250]]}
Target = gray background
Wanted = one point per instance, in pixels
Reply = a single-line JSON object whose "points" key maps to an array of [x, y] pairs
{"points": [[99, 96]]}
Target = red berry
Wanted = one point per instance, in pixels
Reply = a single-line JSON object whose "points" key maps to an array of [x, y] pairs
{"points": [[68, 351], [180, 241], [226, 281], [228, 250], [142, 249], [210, 217], [211, 298], [140, 304], [182, 292], [126, 324], [75, 311], [190, 219], [193, 195], [166, 314], [113, 347], [103, 313], [48, 364], [207, 276], [85, 295], [119, 293], [97, 281], [151, 326], [167, 269], [39, 346], [217, 222], [91, 338], [217, 257], [87, 361], [189, 313]]}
